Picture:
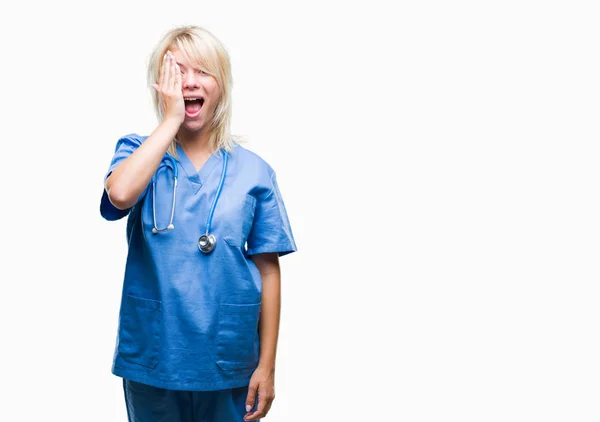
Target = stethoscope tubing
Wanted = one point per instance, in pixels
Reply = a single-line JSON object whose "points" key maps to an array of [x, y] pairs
{"points": [[155, 229], [207, 242], [214, 204]]}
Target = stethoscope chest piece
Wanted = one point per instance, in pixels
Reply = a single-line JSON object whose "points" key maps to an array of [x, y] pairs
{"points": [[207, 243]]}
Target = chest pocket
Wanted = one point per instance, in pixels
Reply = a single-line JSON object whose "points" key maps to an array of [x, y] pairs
{"points": [[236, 221]]}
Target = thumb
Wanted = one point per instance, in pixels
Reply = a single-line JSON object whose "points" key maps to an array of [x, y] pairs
{"points": [[155, 86], [251, 397]]}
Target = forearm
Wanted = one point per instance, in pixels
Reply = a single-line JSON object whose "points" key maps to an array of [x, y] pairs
{"points": [[270, 316], [127, 182]]}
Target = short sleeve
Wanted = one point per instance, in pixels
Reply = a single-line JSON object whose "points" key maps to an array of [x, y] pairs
{"points": [[271, 231], [125, 147]]}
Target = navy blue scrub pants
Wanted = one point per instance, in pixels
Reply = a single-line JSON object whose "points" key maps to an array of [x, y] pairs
{"points": [[150, 404]]}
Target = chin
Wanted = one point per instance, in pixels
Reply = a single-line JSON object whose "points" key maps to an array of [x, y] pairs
{"points": [[193, 126]]}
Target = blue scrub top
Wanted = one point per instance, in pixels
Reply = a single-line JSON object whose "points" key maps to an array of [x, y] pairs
{"points": [[189, 321]]}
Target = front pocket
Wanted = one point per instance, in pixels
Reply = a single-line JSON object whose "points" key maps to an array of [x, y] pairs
{"points": [[139, 331], [237, 336]]}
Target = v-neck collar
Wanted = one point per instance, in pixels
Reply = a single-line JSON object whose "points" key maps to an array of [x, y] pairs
{"points": [[198, 177]]}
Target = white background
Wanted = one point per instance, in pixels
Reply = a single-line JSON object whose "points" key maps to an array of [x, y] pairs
{"points": [[439, 164]]}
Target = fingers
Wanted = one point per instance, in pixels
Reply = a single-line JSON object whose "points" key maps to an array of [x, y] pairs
{"points": [[169, 89], [260, 412], [163, 72], [177, 78], [265, 399], [252, 389], [170, 71], [173, 75], [159, 87], [268, 406]]}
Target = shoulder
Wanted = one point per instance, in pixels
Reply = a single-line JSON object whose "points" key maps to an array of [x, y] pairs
{"points": [[131, 139], [252, 171], [251, 161]]}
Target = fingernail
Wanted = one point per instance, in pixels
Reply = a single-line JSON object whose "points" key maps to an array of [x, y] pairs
{"points": [[248, 408]]}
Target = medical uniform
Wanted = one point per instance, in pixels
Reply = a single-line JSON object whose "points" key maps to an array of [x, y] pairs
{"points": [[188, 320]]}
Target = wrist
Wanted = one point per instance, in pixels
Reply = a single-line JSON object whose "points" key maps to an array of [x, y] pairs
{"points": [[268, 366], [171, 121]]}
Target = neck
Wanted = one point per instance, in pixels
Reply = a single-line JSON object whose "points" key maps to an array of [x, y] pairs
{"points": [[196, 142]]}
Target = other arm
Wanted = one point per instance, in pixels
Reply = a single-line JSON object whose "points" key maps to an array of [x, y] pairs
{"points": [[263, 378]]}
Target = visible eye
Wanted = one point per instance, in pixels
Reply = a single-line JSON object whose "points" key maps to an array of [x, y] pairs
{"points": [[202, 72]]}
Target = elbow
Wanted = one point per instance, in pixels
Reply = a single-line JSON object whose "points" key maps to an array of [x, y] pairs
{"points": [[119, 198]]}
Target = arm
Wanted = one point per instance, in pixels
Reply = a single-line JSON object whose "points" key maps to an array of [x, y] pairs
{"points": [[263, 378], [268, 266], [127, 182]]}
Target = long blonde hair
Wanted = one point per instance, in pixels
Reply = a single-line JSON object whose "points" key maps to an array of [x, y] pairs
{"points": [[203, 50]]}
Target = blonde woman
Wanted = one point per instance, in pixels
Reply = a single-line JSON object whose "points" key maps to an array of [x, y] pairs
{"points": [[199, 316]]}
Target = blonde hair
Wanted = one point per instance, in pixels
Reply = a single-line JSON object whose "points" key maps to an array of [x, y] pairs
{"points": [[203, 50]]}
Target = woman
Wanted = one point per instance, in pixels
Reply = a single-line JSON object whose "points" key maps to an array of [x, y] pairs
{"points": [[199, 315]]}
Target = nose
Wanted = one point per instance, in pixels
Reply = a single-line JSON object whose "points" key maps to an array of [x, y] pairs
{"points": [[189, 81]]}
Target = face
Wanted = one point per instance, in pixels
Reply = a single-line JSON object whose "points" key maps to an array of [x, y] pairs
{"points": [[197, 84]]}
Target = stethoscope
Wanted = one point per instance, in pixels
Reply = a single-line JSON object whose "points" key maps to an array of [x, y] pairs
{"points": [[208, 241]]}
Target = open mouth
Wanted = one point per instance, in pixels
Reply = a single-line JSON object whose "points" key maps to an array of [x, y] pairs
{"points": [[193, 105]]}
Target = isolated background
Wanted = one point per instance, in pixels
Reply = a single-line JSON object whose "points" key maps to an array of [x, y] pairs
{"points": [[439, 163]]}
